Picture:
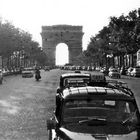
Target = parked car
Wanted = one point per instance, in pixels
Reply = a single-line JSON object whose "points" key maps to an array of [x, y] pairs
{"points": [[4, 72], [114, 73], [129, 71], [105, 70], [98, 113], [27, 72], [135, 72]]}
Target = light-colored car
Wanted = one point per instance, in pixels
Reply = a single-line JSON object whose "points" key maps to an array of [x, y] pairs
{"points": [[4, 72], [104, 70], [129, 70], [114, 73], [135, 72], [27, 72]]}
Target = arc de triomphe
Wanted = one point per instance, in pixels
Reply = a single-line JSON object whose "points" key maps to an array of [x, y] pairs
{"points": [[68, 34]]}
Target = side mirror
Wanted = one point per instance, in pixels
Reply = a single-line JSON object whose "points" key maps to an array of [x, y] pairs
{"points": [[51, 124]]}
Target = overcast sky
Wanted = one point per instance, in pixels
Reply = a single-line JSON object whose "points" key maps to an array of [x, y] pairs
{"points": [[30, 15]]}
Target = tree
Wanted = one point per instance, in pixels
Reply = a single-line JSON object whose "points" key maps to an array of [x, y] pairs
{"points": [[16, 43]]}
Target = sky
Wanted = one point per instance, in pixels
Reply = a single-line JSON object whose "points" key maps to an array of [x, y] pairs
{"points": [[93, 15]]}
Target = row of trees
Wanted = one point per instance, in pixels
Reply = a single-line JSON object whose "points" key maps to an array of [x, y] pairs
{"points": [[18, 48], [120, 37]]}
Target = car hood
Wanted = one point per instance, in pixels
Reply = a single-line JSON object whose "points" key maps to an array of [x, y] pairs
{"points": [[66, 134]]}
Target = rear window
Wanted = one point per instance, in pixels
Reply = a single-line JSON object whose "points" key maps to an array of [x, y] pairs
{"points": [[112, 109]]}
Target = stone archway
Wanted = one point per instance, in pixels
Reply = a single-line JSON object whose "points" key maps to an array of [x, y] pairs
{"points": [[68, 34], [62, 54]]}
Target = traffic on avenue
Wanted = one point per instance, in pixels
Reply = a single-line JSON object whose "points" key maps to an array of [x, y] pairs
{"points": [[27, 104]]}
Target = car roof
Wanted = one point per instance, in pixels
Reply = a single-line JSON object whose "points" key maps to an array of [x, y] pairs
{"points": [[75, 75], [92, 92]]}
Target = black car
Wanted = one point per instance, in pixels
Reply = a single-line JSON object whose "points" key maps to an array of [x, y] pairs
{"points": [[74, 79], [95, 113]]}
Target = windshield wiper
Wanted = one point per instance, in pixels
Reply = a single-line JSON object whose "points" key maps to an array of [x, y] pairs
{"points": [[93, 121]]}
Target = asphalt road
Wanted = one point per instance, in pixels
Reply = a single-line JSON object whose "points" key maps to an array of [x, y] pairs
{"points": [[26, 104]]}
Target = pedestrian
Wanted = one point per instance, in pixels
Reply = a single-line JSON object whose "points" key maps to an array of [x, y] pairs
{"points": [[1, 76]]}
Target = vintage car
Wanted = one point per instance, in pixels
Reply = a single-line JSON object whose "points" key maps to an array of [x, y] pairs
{"points": [[135, 72], [27, 72], [105, 70], [129, 70], [74, 79], [114, 73], [79, 79], [95, 113]]}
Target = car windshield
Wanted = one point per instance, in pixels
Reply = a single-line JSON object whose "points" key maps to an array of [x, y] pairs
{"points": [[84, 111]]}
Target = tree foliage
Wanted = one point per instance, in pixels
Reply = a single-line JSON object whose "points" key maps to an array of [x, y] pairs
{"points": [[13, 40], [120, 37]]}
